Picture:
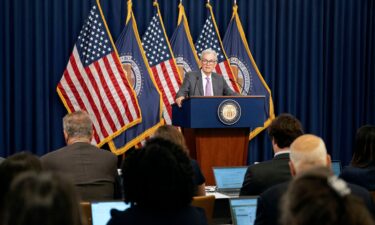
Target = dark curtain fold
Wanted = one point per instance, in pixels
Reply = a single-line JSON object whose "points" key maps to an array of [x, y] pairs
{"points": [[318, 58]]}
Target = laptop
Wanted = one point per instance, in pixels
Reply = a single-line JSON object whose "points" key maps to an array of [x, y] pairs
{"points": [[243, 210], [336, 167], [229, 179], [101, 211]]}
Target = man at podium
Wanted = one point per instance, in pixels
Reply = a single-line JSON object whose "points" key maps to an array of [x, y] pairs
{"points": [[204, 82]]}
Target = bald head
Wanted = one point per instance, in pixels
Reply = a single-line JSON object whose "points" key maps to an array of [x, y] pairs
{"points": [[308, 151]]}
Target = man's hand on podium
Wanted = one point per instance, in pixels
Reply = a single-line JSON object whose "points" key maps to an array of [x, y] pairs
{"points": [[179, 101]]}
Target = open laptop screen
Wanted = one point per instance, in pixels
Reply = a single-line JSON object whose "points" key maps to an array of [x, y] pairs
{"points": [[243, 210], [101, 211], [229, 177], [336, 167]]}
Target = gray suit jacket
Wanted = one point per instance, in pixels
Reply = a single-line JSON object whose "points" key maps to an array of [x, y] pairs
{"points": [[92, 170], [193, 85]]}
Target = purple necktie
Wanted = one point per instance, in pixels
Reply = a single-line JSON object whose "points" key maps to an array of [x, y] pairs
{"points": [[208, 87]]}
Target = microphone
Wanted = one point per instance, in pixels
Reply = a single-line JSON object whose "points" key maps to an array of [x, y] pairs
{"points": [[195, 86], [242, 87]]}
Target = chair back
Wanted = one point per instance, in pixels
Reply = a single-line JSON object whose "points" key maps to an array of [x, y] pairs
{"points": [[207, 203], [86, 212], [373, 195]]}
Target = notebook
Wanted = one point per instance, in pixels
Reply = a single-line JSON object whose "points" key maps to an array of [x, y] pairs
{"points": [[243, 210], [101, 211], [229, 179], [336, 167]]}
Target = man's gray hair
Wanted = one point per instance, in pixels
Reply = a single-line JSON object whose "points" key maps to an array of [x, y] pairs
{"points": [[209, 51], [78, 124]]}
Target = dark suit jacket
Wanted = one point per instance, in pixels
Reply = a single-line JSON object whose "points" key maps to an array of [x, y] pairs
{"points": [[269, 201], [259, 177], [193, 85], [364, 177], [92, 170]]}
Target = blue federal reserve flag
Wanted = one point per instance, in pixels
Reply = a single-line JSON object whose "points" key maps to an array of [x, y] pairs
{"points": [[139, 73], [242, 63], [183, 46]]}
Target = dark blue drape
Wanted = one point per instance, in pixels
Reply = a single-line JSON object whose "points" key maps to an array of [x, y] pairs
{"points": [[318, 58]]}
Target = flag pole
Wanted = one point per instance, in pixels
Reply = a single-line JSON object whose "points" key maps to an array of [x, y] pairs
{"points": [[235, 2]]}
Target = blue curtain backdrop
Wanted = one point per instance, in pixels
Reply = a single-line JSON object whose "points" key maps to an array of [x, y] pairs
{"points": [[318, 58]]}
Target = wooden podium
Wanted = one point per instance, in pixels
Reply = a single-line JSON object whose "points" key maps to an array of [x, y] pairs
{"points": [[211, 140]]}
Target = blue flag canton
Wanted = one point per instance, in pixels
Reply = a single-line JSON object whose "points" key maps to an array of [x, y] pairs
{"points": [[154, 43], [93, 41], [208, 39]]}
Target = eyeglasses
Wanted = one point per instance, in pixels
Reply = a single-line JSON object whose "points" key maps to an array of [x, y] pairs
{"points": [[205, 61]]}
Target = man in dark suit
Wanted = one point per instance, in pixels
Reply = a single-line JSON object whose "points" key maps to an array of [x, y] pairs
{"points": [[306, 152], [92, 170], [204, 82], [259, 177]]}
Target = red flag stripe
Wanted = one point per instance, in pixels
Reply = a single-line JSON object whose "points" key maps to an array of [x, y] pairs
{"points": [[80, 79], [123, 92], [163, 87], [116, 94], [172, 70], [128, 93], [96, 69], [227, 75], [104, 128], [218, 70], [166, 81], [95, 82], [230, 75], [95, 78], [159, 83]]}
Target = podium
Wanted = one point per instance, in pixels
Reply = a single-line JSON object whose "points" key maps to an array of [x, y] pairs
{"points": [[213, 140]]}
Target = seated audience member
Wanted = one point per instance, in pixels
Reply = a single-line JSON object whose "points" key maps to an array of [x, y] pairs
{"points": [[12, 167], [306, 152], [158, 183], [42, 199], [173, 134], [318, 197], [92, 170], [259, 177], [361, 170]]}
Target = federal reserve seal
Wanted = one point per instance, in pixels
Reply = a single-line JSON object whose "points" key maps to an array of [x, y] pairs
{"points": [[133, 72], [229, 112]]}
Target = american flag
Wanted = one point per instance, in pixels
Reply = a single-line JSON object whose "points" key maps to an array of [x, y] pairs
{"points": [[160, 57], [210, 38], [95, 82]]}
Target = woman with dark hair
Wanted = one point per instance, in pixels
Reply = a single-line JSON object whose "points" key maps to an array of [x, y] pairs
{"points": [[171, 133], [158, 183], [318, 197], [42, 199], [361, 170], [13, 166]]}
